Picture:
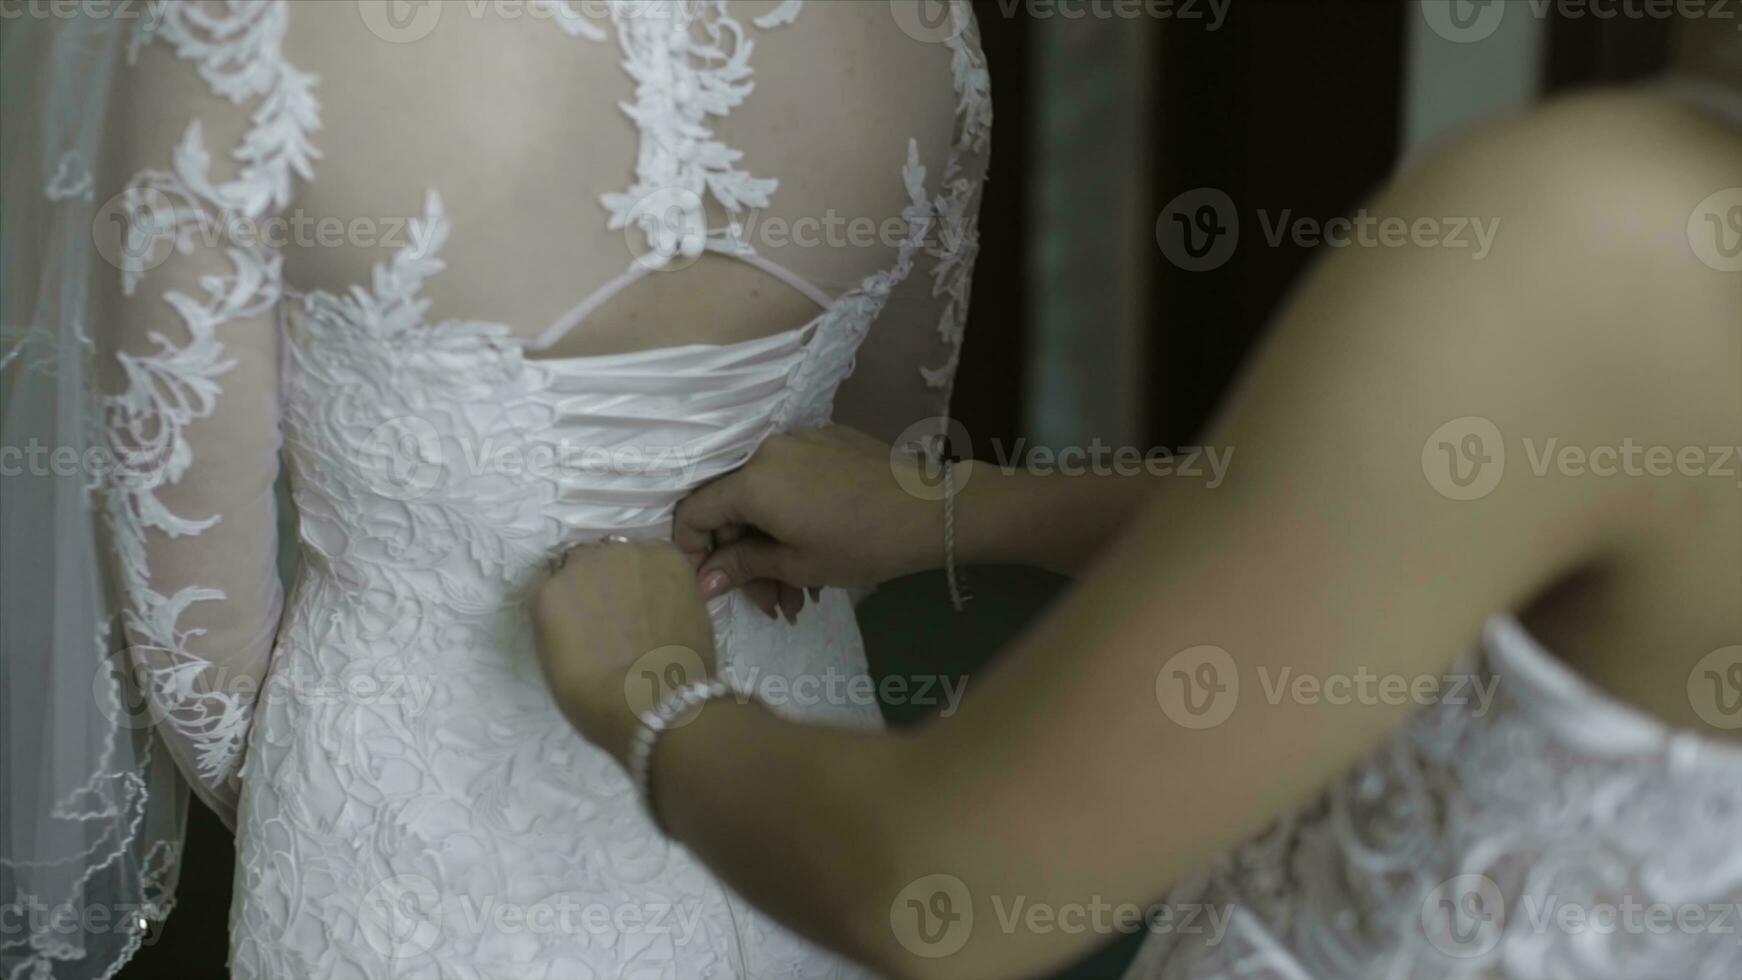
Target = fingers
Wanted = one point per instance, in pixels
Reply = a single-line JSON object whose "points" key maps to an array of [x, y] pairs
{"points": [[711, 507], [744, 561], [750, 563], [791, 602], [714, 527], [763, 593]]}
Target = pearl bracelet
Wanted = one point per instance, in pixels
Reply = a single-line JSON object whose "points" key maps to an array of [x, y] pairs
{"points": [[656, 721]]}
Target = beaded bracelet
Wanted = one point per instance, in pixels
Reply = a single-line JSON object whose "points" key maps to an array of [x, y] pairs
{"points": [[656, 721]]}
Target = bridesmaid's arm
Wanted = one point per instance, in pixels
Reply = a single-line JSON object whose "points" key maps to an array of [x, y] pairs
{"points": [[1147, 722], [837, 508]]}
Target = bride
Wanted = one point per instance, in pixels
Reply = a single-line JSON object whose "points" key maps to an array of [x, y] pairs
{"points": [[493, 280]]}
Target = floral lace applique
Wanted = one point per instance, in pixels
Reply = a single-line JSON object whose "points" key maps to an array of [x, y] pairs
{"points": [[690, 63], [957, 206], [238, 51]]}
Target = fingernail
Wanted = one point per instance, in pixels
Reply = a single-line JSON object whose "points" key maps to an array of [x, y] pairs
{"points": [[713, 584]]}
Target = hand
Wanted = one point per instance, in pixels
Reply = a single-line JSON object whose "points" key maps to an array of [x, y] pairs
{"points": [[619, 626], [811, 509]]}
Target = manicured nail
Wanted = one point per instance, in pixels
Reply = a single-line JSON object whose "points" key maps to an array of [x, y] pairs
{"points": [[713, 584]]}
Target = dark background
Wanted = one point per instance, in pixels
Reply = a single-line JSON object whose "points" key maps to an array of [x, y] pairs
{"points": [[1288, 105]]}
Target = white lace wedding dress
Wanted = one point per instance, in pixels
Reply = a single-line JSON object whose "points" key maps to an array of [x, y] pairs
{"points": [[407, 800]]}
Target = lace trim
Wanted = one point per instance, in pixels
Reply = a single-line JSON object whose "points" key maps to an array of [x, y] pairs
{"points": [[71, 179], [114, 802], [240, 54], [33, 342], [847, 320], [572, 21], [683, 79], [1456, 845], [392, 307], [780, 16], [957, 206]]}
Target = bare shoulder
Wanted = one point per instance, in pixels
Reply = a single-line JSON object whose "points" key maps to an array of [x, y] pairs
{"points": [[1616, 219], [1629, 122], [1603, 339], [1595, 168]]}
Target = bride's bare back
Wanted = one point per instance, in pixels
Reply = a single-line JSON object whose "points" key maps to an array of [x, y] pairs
{"points": [[520, 119], [522, 126]]}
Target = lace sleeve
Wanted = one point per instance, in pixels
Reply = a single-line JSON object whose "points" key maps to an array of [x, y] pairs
{"points": [[211, 131], [906, 367]]}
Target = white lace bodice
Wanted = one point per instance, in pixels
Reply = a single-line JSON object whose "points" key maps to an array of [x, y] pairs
{"points": [[406, 759], [398, 768], [1550, 832]]}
